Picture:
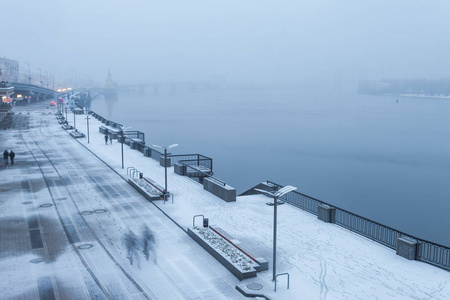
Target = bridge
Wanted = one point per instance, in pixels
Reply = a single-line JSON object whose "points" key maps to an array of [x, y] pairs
{"points": [[155, 88], [33, 92]]}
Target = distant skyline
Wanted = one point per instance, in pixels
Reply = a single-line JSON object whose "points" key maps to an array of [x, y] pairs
{"points": [[242, 41]]}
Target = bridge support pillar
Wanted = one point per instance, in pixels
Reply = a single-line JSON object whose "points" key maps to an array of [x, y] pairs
{"points": [[407, 248]]}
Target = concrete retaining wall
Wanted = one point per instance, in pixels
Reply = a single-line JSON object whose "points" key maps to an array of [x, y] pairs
{"points": [[180, 169], [163, 163], [224, 192]]}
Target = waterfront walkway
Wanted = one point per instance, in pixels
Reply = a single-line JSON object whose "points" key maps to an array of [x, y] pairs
{"points": [[70, 226]]}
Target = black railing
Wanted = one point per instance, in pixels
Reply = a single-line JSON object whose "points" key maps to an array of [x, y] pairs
{"points": [[135, 134], [427, 251], [193, 160], [103, 120]]}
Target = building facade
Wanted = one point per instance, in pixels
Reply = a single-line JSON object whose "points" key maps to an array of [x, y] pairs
{"points": [[9, 70]]}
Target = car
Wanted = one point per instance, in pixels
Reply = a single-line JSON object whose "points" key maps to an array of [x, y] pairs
{"points": [[53, 103]]}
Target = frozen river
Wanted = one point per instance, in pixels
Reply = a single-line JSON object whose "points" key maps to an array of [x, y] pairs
{"points": [[384, 160]]}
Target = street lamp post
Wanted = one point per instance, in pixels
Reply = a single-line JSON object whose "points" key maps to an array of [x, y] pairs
{"points": [[87, 120], [122, 140], [66, 112], [29, 73], [46, 78], [74, 120], [275, 196], [40, 75], [165, 165]]}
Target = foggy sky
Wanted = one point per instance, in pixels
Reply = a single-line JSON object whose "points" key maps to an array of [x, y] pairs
{"points": [[250, 40]]}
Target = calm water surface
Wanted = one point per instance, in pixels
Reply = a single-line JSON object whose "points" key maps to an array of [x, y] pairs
{"points": [[384, 160]]}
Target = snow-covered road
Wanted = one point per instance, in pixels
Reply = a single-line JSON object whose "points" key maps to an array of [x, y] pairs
{"points": [[92, 205], [63, 205]]}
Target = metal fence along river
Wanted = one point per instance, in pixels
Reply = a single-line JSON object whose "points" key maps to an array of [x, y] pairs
{"points": [[426, 251]]}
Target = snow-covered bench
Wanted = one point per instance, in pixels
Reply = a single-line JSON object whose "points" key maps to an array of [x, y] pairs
{"points": [[76, 134]]}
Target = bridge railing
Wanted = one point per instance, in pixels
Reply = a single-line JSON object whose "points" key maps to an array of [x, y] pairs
{"points": [[32, 87], [427, 251]]}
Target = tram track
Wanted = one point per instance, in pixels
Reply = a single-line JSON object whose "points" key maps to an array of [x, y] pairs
{"points": [[33, 146]]}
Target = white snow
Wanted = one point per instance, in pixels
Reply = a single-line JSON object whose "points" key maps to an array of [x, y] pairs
{"points": [[324, 261]]}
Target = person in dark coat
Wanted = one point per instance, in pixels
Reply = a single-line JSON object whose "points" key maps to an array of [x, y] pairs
{"points": [[5, 156], [110, 139], [106, 139], [11, 156]]}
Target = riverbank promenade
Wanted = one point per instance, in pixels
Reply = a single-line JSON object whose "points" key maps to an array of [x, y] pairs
{"points": [[72, 227]]}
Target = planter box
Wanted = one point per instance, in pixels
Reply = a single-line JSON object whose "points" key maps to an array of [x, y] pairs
{"points": [[221, 257], [143, 192]]}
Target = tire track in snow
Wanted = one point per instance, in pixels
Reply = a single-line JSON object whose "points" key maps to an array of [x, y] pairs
{"points": [[94, 277], [322, 274]]}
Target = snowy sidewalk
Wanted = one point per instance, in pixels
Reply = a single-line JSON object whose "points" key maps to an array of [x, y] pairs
{"points": [[70, 228], [323, 260]]}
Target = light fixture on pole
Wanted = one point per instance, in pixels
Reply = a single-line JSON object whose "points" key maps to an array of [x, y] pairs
{"points": [[46, 78], [74, 119], [165, 165], [122, 139], [40, 75], [29, 73], [275, 196], [87, 120]]}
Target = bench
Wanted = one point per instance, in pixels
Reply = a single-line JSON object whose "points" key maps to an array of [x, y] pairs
{"points": [[77, 134], [66, 127]]}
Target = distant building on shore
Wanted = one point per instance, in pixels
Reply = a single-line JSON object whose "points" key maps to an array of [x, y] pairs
{"points": [[110, 86], [9, 70]]}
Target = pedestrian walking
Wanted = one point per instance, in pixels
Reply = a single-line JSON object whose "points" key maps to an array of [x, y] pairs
{"points": [[148, 243], [110, 139], [5, 156], [106, 139], [11, 156], [132, 246]]}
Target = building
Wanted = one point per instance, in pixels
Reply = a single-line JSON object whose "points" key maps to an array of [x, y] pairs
{"points": [[9, 70]]}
